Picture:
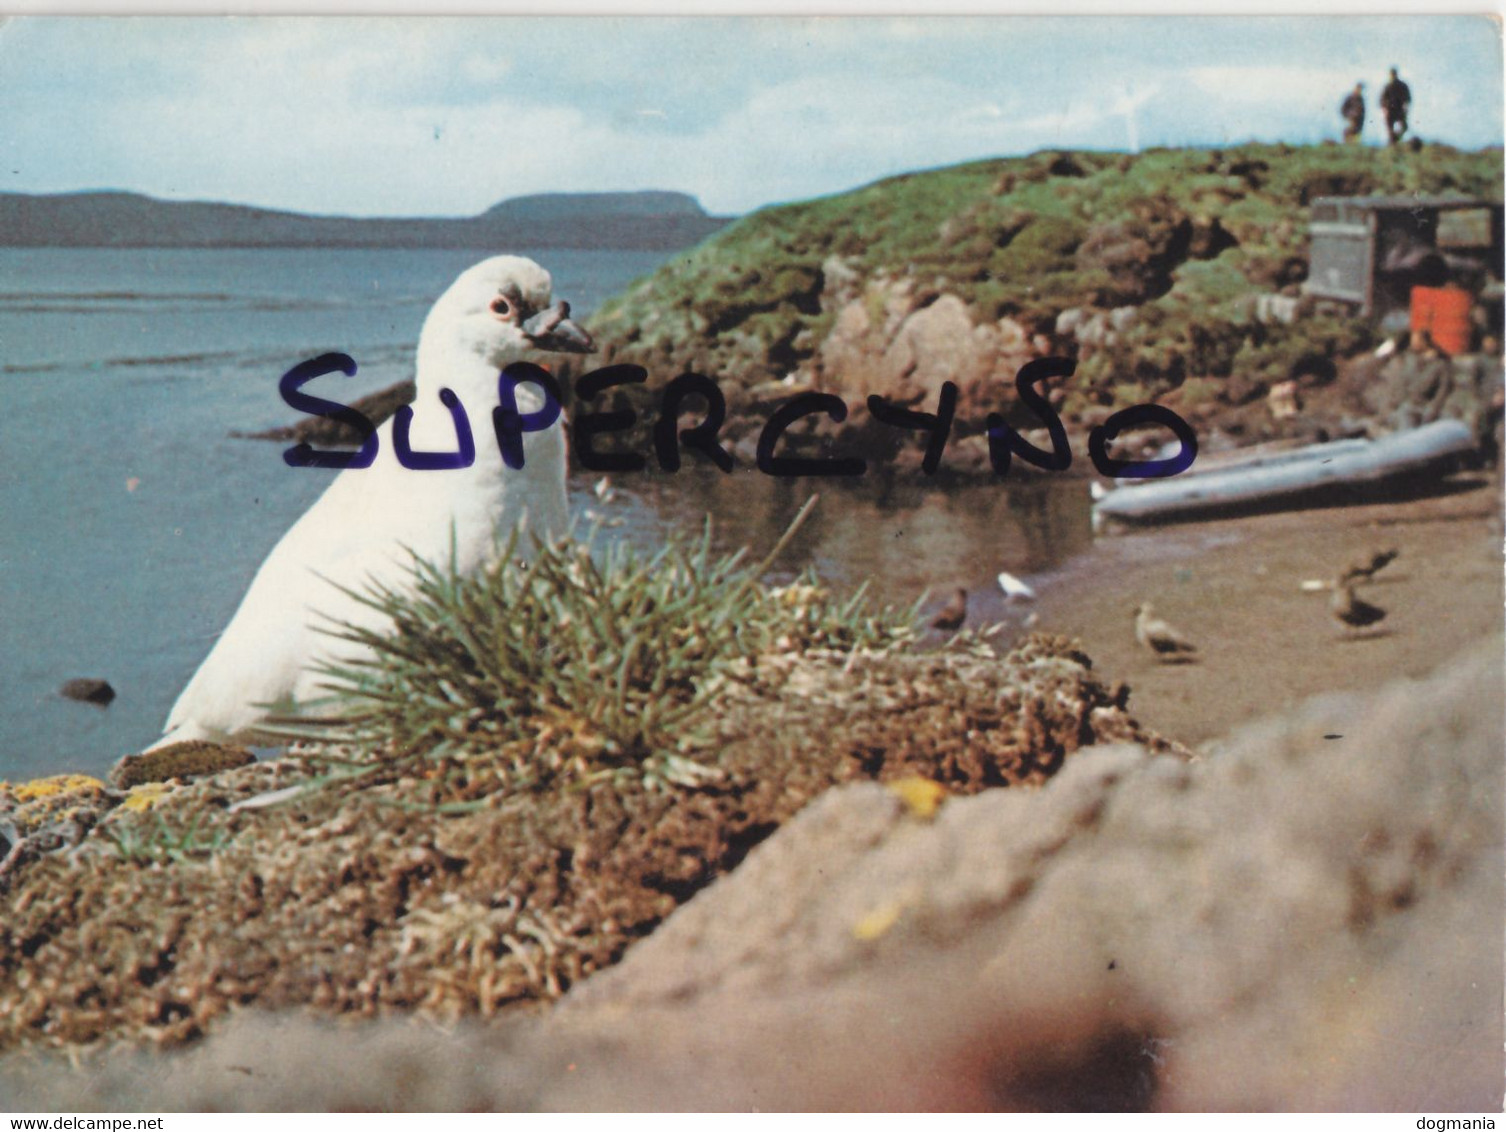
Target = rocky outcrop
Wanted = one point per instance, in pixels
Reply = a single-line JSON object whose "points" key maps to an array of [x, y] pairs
{"points": [[1306, 918], [903, 342], [325, 432], [1315, 900], [188, 760], [902, 339], [356, 889]]}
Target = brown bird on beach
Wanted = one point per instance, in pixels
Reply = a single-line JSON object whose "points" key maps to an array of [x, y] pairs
{"points": [[1352, 612], [1159, 637], [953, 614], [1367, 569]]}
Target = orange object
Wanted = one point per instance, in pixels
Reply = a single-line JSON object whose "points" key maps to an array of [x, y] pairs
{"points": [[1444, 313]]}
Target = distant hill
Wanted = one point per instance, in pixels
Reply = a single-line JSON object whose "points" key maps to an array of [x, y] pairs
{"points": [[641, 220]]}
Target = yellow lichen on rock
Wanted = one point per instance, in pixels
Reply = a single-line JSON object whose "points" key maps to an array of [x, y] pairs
{"points": [[922, 796], [51, 787], [144, 797], [47, 814], [877, 922], [43, 802]]}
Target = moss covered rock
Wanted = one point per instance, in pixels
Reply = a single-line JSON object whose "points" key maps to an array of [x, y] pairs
{"points": [[834, 292]]}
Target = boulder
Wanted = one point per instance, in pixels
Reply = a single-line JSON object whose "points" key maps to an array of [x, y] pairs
{"points": [[1276, 308], [1306, 918], [322, 432], [185, 760], [903, 342]]}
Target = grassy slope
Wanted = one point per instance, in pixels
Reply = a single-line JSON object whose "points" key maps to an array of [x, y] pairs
{"points": [[1187, 233]]}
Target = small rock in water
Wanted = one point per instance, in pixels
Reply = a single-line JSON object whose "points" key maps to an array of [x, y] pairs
{"points": [[88, 690]]}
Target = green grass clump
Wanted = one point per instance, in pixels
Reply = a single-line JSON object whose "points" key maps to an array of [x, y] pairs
{"points": [[608, 661], [144, 843]]}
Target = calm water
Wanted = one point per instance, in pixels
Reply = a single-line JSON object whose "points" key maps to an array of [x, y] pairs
{"points": [[131, 523]]}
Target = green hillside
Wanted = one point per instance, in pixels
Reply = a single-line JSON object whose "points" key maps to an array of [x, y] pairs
{"points": [[1187, 236]]}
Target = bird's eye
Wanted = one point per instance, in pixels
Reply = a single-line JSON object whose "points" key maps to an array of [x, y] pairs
{"points": [[501, 305]]}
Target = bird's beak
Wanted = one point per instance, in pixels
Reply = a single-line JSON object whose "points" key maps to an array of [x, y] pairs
{"points": [[552, 329]]}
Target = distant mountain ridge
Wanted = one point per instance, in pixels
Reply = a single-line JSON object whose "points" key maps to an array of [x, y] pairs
{"points": [[109, 219]]}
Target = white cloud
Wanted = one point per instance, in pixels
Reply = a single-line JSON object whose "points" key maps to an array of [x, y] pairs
{"points": [[1270, 87], [405, 116]]}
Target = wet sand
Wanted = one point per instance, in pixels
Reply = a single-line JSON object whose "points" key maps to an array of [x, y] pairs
{"points": [[1234, 587]]}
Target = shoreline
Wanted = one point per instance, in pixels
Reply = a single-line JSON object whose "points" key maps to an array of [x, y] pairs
{"points": [[1234, 586]]}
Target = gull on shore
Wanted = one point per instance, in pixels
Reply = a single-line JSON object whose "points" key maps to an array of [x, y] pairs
{"points": [[1352, 612], [1160, 637], [1361, 570], [371, 523], [1367, 568]]}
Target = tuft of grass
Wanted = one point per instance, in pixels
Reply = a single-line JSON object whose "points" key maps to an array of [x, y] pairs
{"points": [[144, 843], [575, 661]]}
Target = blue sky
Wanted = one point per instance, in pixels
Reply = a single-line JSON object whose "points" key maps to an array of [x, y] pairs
{"points": [[410, 116]]}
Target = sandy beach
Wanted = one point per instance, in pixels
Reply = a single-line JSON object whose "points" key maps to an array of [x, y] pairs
{"points": [[1234, 587]]}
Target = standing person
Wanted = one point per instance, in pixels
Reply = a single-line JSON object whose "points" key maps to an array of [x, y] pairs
{"points": [[1353, 111], [1395, 100]]}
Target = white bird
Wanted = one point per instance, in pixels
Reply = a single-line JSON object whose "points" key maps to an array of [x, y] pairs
{"points": [[1014, 589], [370, 522]]}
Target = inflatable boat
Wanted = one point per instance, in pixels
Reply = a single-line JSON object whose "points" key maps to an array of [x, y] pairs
{"points": [[1336, 472]]}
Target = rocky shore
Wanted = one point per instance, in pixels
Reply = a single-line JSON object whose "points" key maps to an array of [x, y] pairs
{"points": [[1313, 895], [148, 911], [1172, 277], [1307, 917]]}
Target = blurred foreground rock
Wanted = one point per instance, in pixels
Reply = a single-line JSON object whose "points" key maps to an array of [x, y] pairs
{"points": [[1307, 917]]}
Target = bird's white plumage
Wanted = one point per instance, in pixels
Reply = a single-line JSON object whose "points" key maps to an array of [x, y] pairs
{"points": [[371, 521], [1014, 589], [1159, 636]]}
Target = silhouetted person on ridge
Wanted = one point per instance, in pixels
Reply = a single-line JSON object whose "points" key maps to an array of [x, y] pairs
{"points": [[1353, 110], [1395, 100]]}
